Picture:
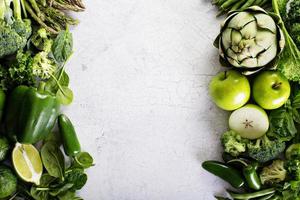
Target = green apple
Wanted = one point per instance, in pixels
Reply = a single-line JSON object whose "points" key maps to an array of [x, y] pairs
{"points": [[250, 121], [229, 90], [271, 89]]}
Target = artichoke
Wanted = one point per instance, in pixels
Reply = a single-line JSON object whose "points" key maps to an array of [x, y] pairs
{"points": [[250, 40]]}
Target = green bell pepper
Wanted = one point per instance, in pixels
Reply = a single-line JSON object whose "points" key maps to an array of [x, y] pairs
{"points": [[31, 114]]}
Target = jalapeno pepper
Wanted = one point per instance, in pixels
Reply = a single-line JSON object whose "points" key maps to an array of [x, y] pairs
{"points": [[249, 172], [31, 114], [227, 173], [251, 177], [70, 141]]}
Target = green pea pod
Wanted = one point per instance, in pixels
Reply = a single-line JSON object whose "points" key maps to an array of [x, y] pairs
{"points": [[251, 177], [69, 138], [225, 172]]}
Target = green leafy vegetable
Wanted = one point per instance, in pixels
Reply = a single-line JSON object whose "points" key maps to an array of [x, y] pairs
{"points": [[62, 47], [64, 95], [282, 124], [53, 160], [289, 61], [292, 22], [77, 178], [69, 195], [84, 160], [63, 79], [64, 188]]}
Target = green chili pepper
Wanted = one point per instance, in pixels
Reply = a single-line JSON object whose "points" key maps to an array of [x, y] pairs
{"points": [[227, 173], [69, 137], [249, 172], [251, 177], [31, 114]]}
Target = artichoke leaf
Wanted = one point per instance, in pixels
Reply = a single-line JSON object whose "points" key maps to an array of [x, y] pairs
{"points": [[232, 58], [249, 62], [226, 38], [266, 22], [249, 31], [268, 54], [240, 20], [255, 49], [265, 39]]}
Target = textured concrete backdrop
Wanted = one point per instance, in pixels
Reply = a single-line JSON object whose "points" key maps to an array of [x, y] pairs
{"points": [[140, 74]]}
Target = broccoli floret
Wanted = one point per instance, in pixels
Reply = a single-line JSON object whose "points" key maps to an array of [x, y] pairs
{"points": [[21, 71], [43, 66], [233, 143], [293, 168], [265, 149], [273, 173], [41, 40], [14, 32]]}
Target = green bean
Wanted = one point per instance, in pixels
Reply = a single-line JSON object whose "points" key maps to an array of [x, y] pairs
{"points": [[247, 4], [238, 5], [220, 2], [252, 195], [257, 2], [228, 4], [264, 2], [267, 197]]}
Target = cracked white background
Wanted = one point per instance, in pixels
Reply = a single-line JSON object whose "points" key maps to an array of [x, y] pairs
{"points": [[140, 75]]}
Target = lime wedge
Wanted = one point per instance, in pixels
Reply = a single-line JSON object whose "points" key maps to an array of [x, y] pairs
{"points": [[27, 163]]}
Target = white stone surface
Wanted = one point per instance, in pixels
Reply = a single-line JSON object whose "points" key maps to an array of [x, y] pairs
{"points": [[140, 75]]}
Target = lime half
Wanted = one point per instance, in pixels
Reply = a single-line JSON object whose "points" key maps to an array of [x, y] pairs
{"points": [[27, 163]]}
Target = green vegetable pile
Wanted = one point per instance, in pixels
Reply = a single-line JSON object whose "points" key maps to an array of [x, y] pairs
{"points": [[259, 44], [37, 160]]}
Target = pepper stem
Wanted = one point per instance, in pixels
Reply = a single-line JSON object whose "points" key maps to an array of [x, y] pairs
{"points": [[238, 160], [42, 85]]}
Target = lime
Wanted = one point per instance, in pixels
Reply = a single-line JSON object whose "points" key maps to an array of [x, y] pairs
{"points": [[27, 163]]}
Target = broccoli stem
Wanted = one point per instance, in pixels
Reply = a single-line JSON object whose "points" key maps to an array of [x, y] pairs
{"points": [[252, 195], [2, 9], [265, 140], [17, 9]]}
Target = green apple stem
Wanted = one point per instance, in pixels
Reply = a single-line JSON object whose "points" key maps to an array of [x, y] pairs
{"points": [[276, 85]]}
